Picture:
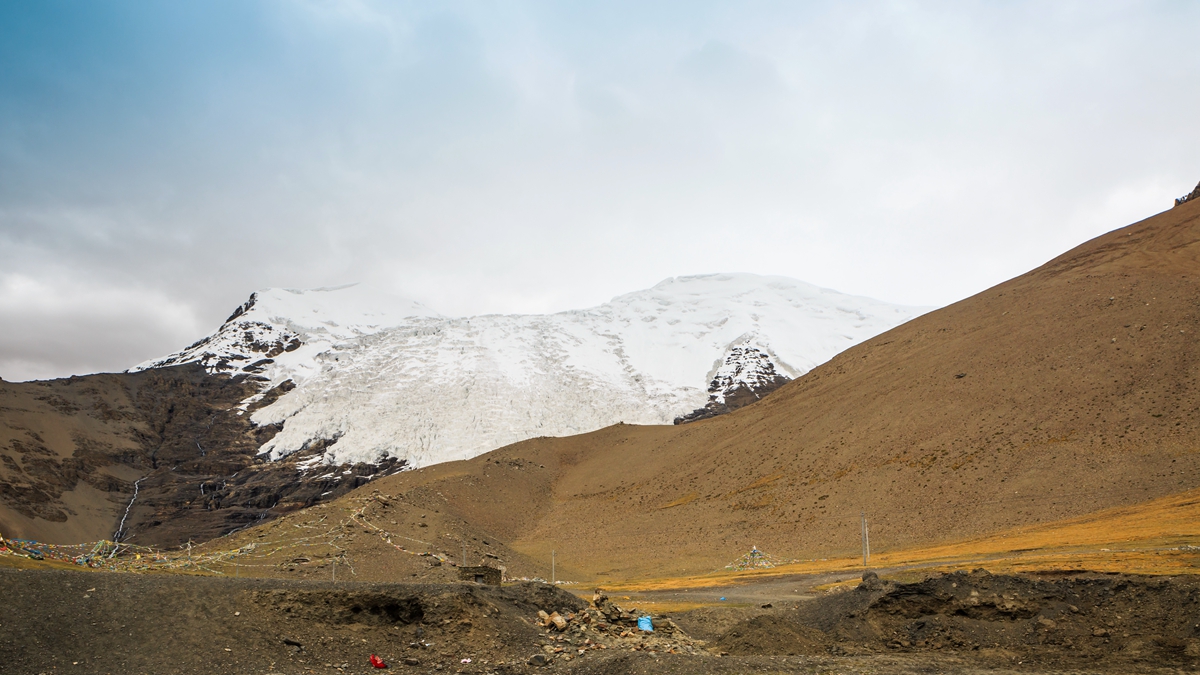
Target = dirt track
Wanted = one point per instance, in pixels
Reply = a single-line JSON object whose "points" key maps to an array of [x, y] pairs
{"points": [[77, 622]]}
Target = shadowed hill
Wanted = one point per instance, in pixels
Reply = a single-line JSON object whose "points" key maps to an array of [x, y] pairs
{"points": [[75, 451], [1067, 390]]}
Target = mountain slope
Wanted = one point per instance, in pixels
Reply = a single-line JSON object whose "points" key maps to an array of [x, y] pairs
{"points": [[166, 446], [1072, 388], [361, 383], [361, 377]]}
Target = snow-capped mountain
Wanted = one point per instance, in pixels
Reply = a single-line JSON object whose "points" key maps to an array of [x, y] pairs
{"points": [[374, 380], [278, 333]]}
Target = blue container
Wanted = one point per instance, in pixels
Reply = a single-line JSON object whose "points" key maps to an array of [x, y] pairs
{"points": [[644, 623]]}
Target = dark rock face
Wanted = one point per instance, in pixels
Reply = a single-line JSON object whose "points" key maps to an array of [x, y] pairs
{"points": [[72, 450], [747, 374], [1194, 194]]}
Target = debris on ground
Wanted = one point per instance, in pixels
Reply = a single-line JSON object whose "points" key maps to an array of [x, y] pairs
{"points": [[607, 626]]}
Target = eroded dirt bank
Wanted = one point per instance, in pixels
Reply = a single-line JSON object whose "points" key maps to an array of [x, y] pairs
{"points": [[1096, 622], [77, 622]]}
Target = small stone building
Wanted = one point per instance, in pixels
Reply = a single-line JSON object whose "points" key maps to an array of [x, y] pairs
{"points": [[480, 575]]}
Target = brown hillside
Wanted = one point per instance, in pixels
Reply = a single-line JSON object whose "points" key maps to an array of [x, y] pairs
{"points": [[72, 449], [1067, 390]]}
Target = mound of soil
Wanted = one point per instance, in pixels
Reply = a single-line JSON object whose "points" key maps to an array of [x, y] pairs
{"points": [[770, 635], [86, 623], [1109, 621]]}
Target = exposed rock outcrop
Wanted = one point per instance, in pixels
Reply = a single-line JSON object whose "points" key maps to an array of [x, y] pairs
{"points": [[747, 373], [1194, 194]]}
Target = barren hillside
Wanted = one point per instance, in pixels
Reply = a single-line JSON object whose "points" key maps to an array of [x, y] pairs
{"points": [[74, 451]]}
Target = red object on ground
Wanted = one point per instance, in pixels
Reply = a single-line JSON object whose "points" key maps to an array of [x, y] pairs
{"points": [[377, 662]]}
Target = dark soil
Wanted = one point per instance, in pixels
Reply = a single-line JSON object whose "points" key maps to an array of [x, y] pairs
{"points": [[81, 622], [78, 622], [1108, 622]]}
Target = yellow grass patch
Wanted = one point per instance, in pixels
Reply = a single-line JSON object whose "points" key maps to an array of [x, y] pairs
{"points": [[1161, 536], [689, 497]]}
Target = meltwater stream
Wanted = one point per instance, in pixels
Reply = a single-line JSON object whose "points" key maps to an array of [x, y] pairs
{"points": [[121, 528]]}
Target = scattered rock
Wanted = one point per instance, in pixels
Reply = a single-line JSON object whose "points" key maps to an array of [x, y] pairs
{"points": [[870, 582], [1194, 194]]}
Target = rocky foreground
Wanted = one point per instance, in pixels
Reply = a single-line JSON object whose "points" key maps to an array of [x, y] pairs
{"points": [[78, 622]]}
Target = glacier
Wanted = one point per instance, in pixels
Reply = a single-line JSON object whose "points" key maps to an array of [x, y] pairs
{"points": [[373, 376]]}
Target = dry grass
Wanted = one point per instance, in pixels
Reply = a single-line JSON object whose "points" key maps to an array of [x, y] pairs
{"points": [[1149, 538]]}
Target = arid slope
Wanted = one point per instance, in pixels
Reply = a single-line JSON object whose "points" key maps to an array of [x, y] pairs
{"points": [[1067, 390], [72, 450]]}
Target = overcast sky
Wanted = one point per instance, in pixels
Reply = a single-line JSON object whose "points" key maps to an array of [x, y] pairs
{"points": [[159, 161]]}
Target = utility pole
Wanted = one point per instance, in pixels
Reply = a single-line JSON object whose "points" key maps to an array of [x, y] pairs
{"points": [[553, 578], [866, 539]]}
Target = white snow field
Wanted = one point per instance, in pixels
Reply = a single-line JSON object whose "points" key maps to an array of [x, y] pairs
{"points": [[398, 380], [292, 328]]}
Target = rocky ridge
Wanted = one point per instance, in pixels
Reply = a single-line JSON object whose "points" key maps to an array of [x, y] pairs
{"points": [[747, 373], [1194, 194]]}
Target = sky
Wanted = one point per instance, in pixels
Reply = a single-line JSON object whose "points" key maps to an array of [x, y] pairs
{"points": [[161, 160]]}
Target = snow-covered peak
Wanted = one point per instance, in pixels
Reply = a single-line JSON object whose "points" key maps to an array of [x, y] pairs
{"points": [[434, 389], [685, 324], [278, 333], [342, 311]]}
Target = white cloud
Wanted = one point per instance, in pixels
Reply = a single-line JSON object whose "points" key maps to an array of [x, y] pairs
{"points": [[65, 326]]}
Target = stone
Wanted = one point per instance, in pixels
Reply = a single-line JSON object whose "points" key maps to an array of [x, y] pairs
{"points": [[539, 660], [870, 582]]}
